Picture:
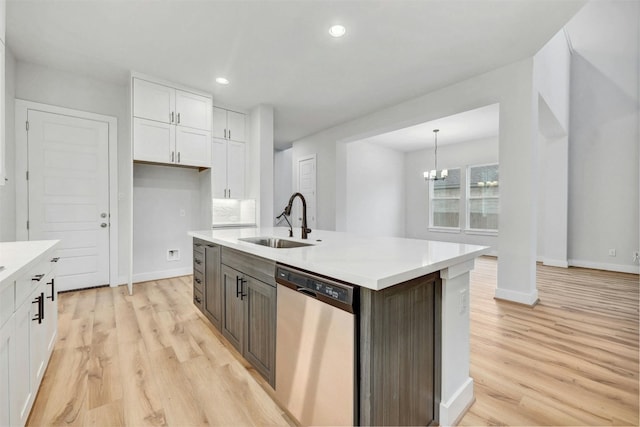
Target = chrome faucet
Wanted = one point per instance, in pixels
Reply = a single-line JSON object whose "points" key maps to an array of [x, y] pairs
{"points": [[287, 211]]}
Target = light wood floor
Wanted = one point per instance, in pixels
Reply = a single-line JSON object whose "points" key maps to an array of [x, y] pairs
{"points": [[152, 358]]}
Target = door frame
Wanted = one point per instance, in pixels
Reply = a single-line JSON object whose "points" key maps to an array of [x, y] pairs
{"points": [[22, 195]]}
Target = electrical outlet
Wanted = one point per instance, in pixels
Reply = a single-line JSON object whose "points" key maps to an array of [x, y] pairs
{"points": [[173, 255], [183, 212], [636, 256], [612, 252]]}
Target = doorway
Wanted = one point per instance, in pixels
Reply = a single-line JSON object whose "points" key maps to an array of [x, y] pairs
{"points": [[65, 181], [306, 185]]}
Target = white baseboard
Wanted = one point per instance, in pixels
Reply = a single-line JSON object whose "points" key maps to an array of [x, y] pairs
{"points": [[529, 299], [555, 262], [633, 269], [452, 410], [164, 274]]}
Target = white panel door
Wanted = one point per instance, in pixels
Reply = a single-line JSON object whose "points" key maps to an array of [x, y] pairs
{"points": [[153, 141], [235, 170], [153, 101], [69, 194], [219, 169], [307, 186], [219, 123], [193, 110], [235, 126], [193, 147]]}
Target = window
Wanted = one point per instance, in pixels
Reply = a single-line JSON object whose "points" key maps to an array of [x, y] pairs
{"points": [[483, 197], [444, 201]]}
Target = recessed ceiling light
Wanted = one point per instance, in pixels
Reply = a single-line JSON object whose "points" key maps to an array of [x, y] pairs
{"points": [[337, 31], [222, 81]]}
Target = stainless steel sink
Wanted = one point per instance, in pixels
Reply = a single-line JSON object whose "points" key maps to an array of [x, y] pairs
{"points": [[274, 242]]}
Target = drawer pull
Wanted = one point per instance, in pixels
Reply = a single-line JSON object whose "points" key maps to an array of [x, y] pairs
{"points": [[197, 261], [198, 281], [37, 277], [53, 290], [56, 259]]}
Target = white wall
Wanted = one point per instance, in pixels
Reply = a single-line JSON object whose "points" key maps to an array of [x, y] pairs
{"points": [[603, 139], [160, 193], [461, 155], [552, 82], [49, 86], [8, 191], [375, 190], [512, 87], [283, 180], [259, 155]]}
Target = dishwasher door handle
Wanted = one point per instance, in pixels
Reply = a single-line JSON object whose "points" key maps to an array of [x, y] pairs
{"points": [[307, 292]]}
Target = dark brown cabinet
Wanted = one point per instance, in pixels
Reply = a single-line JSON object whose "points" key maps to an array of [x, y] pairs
{"points": [[212, 285], [249, 321]]}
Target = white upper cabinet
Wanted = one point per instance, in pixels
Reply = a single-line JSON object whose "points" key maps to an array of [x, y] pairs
{"points": [[228, 124], [153, 101], [228, 169], [170, 125], [193, 110]]}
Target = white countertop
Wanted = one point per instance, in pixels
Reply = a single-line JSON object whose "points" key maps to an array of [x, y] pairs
{"points": [[15, 256], [371, 262]]}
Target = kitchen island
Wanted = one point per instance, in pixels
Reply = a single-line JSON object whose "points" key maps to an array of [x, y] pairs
{"points": [[413, 300]]}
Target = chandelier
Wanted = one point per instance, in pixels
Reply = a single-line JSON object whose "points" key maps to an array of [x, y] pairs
{"points": [[434, 174]]}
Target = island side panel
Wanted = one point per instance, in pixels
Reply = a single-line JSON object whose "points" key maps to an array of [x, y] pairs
{"points": [[400, 353]]}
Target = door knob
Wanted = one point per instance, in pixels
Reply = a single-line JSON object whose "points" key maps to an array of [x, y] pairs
{"points": [[103, 225]]}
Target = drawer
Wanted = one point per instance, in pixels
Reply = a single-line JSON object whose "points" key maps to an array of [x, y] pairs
{"points": [[198, 262], [198, 299], [259, 268], [198, 281], [7, 300], [26, 284], [198, 246]]}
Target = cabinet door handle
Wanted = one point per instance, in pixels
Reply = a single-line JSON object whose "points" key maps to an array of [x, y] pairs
{"points": [[178, 155], [242, 294], [173, 153], [229, 133], [37, 277], [178, 118], [229, 193], [237, 286], [40, 301], [225, 134], [53, 290], [171, 117]]}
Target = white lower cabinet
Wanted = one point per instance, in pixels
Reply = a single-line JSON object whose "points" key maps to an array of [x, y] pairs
{"points": [[27, 338], [6, 364]]}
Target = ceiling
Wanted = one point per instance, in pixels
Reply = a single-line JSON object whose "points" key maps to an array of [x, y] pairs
{"points": [[280, 52], [470, 125]]}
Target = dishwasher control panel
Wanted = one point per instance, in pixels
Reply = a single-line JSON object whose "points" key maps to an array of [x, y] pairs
{"points": [[323, 288]]}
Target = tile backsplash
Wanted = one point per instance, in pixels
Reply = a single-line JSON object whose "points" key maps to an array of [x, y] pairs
{"points": [[233, 212]]}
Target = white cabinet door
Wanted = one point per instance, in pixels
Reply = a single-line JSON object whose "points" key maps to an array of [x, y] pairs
{"points": [[219, 169], [6, 364], [193, 147], [235, 170], [21, 385], [219, 129], [153, 101], [51, 314], [153, 141], [193, 110], [235, 126]]}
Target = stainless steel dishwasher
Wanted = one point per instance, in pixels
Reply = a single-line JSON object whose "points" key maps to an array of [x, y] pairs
{"points": [[315, 348]]}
